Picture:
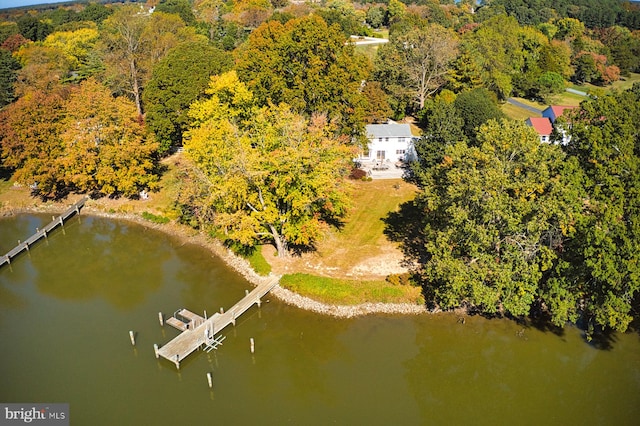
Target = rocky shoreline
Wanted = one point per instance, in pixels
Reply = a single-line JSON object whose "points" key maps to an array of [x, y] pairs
{"points": [[239, 264]]}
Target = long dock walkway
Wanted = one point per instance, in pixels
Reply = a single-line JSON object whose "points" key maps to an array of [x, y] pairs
{"points": [[198, 331], [55, 222]]}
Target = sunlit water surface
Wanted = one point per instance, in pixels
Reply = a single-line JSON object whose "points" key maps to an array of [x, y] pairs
{"points": [[67, 306]]}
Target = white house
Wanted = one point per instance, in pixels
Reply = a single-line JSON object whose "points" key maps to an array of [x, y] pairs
{"points": [[389, 143]]}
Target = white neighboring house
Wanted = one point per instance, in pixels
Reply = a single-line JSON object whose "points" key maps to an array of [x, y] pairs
{"points": [[389, 143]]}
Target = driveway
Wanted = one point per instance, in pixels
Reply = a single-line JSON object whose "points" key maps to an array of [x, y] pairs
{"points": [[523, 105]]}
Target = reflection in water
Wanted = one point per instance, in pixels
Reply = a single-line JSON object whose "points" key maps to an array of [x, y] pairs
{"points": [[66, 309], [95, 258]]}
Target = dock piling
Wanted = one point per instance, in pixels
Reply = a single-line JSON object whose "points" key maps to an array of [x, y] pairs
{"points": [[161, 318], [253, 346], [42, 232], [132, 336], [210, 379], [156, 349]]}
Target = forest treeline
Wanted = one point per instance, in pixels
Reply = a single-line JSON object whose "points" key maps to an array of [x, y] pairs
{"points": [[269, 100]]}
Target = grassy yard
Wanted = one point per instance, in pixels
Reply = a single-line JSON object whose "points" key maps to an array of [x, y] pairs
{"points": [[350, 292], [362, 235], [359, 249]]}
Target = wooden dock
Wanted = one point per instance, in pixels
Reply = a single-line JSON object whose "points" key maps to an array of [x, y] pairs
{"points": [[199, 332], [55, 222]]}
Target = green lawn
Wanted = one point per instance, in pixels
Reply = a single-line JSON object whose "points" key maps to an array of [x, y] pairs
{"points": [[350, 292], [362, 235]]}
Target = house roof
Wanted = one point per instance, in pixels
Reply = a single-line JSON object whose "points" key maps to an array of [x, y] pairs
{"points": [[389, 130], [555, 111], [542, 125]]}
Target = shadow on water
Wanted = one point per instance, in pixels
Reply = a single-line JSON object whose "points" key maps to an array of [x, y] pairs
{"points": [[404, 227]]}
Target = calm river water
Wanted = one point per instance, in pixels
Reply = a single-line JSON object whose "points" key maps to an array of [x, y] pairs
{"points": [[67, 306]]}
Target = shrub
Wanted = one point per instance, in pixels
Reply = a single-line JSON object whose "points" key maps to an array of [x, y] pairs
{"points": [[154, 218], [357, 173]]}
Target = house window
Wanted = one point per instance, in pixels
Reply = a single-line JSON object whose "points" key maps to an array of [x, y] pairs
{"points": [[401, 140], [544, 138], [400, 151], [380, 155], [380, 140], [386, 139]]}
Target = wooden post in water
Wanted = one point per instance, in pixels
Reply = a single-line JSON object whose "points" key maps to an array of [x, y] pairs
{"points": [[156, 350], [246, 292], [205, 314], [61, 222], [210, 380], [253, 346], [222, 310], [161, 318], [132, 336], [258, 302], [233, 318]]}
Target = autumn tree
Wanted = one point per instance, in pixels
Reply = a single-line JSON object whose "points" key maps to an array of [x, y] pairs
{"points": [[277, 177], [105, 146], [421, 57], [377, 109], [177, 81], [78, 49], [309, 66], [133, 41], [42, 68], [30, 139]]}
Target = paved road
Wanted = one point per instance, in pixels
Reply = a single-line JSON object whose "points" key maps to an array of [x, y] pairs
{"points": [[525, 106]]}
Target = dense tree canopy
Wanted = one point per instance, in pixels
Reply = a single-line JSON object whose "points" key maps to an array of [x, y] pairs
{"points": [[278, 177], [133, 41], [306, 64], [602, 264], [415, 63], [76, 138], [177, 81], [492, 218]]}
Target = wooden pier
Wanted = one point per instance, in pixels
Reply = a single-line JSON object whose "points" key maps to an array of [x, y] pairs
{"points": [[200, 332], [55, 222]]}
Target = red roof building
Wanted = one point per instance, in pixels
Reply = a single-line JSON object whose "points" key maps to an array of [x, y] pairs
{"points": [[543, 126]]}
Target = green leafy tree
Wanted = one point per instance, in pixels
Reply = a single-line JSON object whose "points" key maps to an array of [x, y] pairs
{"points": [[181, 8], [442, 127], [33, 28], [308, 65], [177, 81], [601, 273], [497, 48], [550, 83], [494, 217], [475, 108], [95, 12], [133, 41], [277, 177], [8, 73], [422, 57]]}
